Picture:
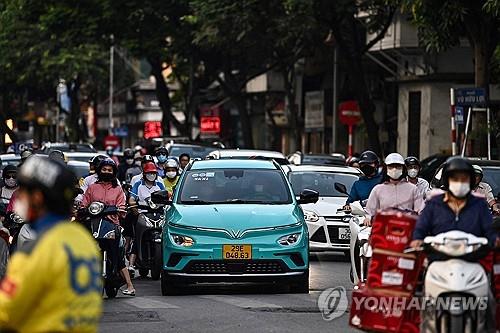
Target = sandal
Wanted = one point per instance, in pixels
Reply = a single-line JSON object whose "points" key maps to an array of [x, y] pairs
{"points": [[129, 292]]}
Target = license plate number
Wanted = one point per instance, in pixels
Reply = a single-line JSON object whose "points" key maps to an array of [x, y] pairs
{"points": [[344, 233], [237, 252]]}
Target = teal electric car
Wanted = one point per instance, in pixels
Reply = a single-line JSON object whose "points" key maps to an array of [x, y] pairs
{"points": [[235, 220]]}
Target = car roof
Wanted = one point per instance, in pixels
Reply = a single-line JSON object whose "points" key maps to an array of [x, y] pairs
{"points": [[78, 163], [233, 164], [322, 168], [249, 152], [495, 163]]}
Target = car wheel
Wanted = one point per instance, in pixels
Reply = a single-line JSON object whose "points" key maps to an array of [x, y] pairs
{"points": [[143, 272], [169, 285], [301, 284], [157, 262]]}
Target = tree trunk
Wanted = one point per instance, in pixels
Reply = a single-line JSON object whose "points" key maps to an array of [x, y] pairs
{"points": [[162, 93]]}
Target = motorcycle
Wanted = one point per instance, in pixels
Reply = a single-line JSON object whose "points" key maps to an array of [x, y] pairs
{"points": [[14, 223], [148, 232], [109, 237], [455, 280], [359, 248]]}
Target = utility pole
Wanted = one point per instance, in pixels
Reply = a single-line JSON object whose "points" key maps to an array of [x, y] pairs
{"points": [[334, 99], [111, 80]]}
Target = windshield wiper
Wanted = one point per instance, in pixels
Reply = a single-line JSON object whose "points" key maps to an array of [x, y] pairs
{"points": [[196, 202]]}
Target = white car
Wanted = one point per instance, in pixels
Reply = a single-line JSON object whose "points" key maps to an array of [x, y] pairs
{"points": [[328, 230], [250, 154]]}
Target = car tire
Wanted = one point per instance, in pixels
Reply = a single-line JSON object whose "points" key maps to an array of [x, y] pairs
{"points": [[301, 284], [169, 285], [157, 262], [143, 272]]}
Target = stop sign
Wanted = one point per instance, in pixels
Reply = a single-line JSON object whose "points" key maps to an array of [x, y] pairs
{"points": [[111, 140], [349, 113]]}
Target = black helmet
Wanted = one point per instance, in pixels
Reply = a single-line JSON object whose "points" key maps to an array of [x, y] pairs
{"points": [[107, 161], [96, 160], [457, 164], [128, 153], [160, 150], [147, 158], [54, 179], [8, 169], [351, 160], [58, 156], [412, 160], [368, 157]]}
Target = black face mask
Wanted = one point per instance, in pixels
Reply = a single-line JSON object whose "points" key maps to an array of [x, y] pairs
{"points": [[367, 169], [106, 177]]}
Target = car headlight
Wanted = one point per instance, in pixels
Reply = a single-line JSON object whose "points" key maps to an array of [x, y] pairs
{"points": [[96, 207], [310, 216], [289, 239], [181, 240]]}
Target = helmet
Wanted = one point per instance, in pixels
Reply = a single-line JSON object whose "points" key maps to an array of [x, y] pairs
{"points": [[137, 156], [96, 160], [128, 153], [109, 150], [8, 169], [26, 153], [457, 164], [138, 148], [55, 180], [394, 158], [161, 150], [57, 155], [351, 160], [172, 163], [478, 170], [147, 158], [411, 160], [107, 161], [149, 167], [368, 157]]}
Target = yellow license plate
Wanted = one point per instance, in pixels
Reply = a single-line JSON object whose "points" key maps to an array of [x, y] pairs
{"points": [[233, 252]]}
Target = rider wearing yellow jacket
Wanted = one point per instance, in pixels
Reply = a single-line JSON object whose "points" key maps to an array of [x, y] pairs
{"points": [[53, 283]]}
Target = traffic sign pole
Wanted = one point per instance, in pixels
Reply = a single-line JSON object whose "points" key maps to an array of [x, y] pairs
{"points": [[349, 149], [453, 128]]}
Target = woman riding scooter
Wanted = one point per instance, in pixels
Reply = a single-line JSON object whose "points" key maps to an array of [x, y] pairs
{"points": [[109, 192]]}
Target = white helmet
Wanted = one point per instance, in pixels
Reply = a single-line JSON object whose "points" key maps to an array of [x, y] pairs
{"points": [[477, 169], [394, 158], [172, 163]]}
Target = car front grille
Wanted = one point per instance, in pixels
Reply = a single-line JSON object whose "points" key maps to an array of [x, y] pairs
{"points": [[333, 232], [319, 236], [235, 267]]}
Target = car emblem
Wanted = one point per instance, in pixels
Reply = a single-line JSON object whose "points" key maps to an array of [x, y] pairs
{"points": [[235, 233]]}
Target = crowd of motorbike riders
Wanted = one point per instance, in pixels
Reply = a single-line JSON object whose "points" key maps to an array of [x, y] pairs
{"points": [[41, 192]]}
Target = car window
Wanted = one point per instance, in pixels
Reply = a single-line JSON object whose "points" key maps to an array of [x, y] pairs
{"points": [[491, 175], [322, 161], [194, 152], [234, 186], [322, 182]]}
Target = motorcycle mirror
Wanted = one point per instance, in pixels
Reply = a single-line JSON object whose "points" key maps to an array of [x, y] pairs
{"points": [[341, 188], [161, 198], [308, 196]]}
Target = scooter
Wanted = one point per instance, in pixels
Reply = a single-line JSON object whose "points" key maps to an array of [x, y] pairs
{"points": [[14, 223], [148, 232], [109, 238], [454, 282]]}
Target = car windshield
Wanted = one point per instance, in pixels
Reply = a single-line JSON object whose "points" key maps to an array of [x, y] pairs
{"points": [[322, 182], [491, 175], [193, 151], [79, 170], [238, 186]]}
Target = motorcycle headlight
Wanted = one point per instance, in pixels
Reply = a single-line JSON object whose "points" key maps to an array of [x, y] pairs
{"points": [[181, 240], [289, 239], [310, 216], [96, 207]]}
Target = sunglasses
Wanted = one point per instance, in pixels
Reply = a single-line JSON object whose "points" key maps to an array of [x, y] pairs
{"points": [[10, 176]]}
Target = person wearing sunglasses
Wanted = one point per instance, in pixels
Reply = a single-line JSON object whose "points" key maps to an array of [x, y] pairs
{"points": [[9, 177]]}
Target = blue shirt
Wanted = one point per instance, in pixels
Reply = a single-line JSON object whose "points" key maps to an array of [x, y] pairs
{"points": [[47, 221], [437, 217], [362, 188]]}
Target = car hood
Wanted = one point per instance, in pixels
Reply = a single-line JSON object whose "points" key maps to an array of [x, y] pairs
{"points": [[326, 206], [248, 216]]}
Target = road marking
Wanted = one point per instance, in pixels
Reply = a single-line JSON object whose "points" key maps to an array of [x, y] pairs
{"points": [[148, 303], [242, 302]]}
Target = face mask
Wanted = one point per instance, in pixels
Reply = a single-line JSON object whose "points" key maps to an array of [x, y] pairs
{"points": [[171, 174], [138, 163], [11, 182], [162, 158], [412, 173], [21, 208], [367, 169], [129, 161], [459, 189], [394, 173], [151, 177], [106, 177]]}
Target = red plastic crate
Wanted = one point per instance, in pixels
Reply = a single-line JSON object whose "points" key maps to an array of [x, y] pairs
{"points": [[394, 271], [392, 230], [383, 312]]}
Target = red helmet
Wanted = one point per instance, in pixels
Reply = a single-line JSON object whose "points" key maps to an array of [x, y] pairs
{"points": [[149, 167]]}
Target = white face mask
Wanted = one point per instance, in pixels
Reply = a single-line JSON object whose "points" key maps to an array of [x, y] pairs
{"points": [[459, 189], [10, 182], [21, 208], [394, 173], [151, 177], [412, 173], [171, 174]]}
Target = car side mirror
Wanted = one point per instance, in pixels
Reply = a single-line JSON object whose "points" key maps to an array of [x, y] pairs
{"points": [[308, 196], [340, 188], [161, 198]]}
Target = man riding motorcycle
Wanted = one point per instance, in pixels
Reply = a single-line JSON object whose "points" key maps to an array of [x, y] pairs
{"points": [[109, 192], [128, 157], [161, 154], [484, 189], [44, 278], [92, 177], [138, 177], [413, 168]]}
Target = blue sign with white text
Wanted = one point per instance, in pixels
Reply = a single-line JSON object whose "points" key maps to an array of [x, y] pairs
{"points": [[459, 115], [470, 97]]}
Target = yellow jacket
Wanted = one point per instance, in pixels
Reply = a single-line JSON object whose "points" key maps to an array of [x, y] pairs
{"points": [[170, 184], [54, 284]]}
